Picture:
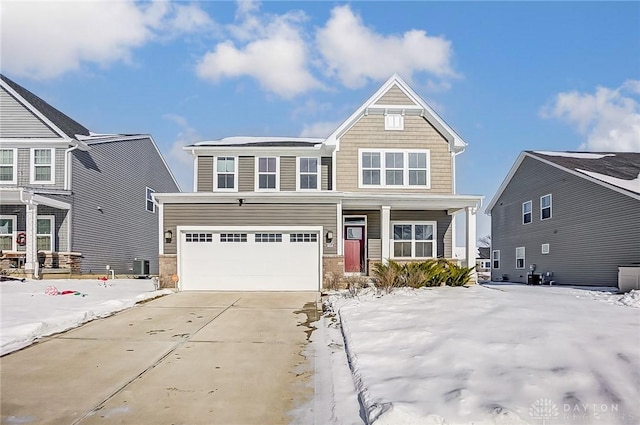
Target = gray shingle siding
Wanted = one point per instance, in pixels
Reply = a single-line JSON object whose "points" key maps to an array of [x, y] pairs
{"points": [[24, 168], [114, 176], [16, 121], [592, 229]]}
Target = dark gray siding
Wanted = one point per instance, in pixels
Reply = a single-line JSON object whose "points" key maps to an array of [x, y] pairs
{"points": [[443, 226], [246, 173], [288, 173], [326, 173], [205, 174], [592, 230], [114, 177], [60, 235], [24, 168], [16, 121], [249, 215]]}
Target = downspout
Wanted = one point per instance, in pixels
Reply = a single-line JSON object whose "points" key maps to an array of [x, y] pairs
{"points": [[67, 171]]}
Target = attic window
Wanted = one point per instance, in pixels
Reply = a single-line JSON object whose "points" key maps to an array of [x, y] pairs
{"points": [[394, 122]]}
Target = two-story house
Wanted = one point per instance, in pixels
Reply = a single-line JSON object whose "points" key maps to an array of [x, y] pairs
{"points": [[70, 199], [279, 213], [569, 217]]}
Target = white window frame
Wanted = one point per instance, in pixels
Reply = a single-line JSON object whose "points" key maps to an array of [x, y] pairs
{"points": [[215, 174], [14, 166], [405, 163], [52, 220], [545, 248], [521, 255], [14, 232], [550, 207], [361, 168], [258, 173], [434, 241], [52, 166], [148, 194], [495, 256], [394, 122], [530, 203], [299, 173]]}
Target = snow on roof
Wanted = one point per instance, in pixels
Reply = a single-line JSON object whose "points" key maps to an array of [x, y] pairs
{"points": [[630, 185], [578, 155], [248, 140]]}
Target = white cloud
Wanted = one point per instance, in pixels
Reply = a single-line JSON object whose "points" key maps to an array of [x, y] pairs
{"points": [[272, 50], [608, 118], [319, 129], [181, 162], [355, 53], [45, 39]]}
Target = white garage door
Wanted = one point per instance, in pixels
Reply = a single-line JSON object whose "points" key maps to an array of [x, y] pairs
{"points": [[249, 260]]}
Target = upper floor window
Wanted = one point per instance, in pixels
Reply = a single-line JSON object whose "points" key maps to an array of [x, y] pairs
{"points": [[393, 122], [520, 257], [308, 170], [545, 207], [225, 173], [414, 240], [151, 206], [267, 173], [495, 259], [42, 166], [44, 232], [8, 166], [394, 168], [526, 212], [7, 229]]}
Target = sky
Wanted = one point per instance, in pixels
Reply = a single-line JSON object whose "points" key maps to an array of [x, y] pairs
{"points": [[507, 76]]}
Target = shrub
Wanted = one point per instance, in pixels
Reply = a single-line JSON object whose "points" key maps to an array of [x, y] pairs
{"points": [[387, 276], [414, 275], [354, 284], [438, 272], [459, 276], [332, 281]]}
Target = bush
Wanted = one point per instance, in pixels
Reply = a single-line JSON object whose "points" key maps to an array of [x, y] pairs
{"points": [[387, 276], [438, 272], [332, 281], [354, 284]]}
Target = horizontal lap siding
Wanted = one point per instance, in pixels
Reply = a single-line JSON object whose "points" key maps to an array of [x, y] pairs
{"points": [[394, 96], [288, 173], [205, 173], [374, 247], [326, 172], [592, 230], [369, 132], [24, 168], [373, 221], [249, 215], [246, 173], [16, 121], [443, 224]]}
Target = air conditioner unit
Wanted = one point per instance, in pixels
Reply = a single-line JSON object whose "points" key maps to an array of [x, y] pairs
{"points": [[140, 267]]}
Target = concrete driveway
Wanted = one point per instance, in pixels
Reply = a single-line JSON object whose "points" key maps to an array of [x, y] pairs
{"points": [[187, 358]]}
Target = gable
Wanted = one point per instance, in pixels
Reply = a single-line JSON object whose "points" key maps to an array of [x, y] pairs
{"points": [[17, 121], [395, 96]]}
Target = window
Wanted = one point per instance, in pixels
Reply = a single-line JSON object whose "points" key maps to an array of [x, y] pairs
{"points": [[520, 257], [42, 163], [233, 237], [308, 173], [267, 173], [225, 171], [495, 259], [44, 232], [303, 237], [8, 166], [151, 206], [408, 168], [268, 237], [414, 240], [545, 248], [545, 207], [526, 212], [393, 122], [7, 229], [198, 237]]}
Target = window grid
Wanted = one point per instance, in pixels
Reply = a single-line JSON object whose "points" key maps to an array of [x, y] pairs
{"points": [[7, 230], [526, 212], [267, 173], [44, 233], [545, 207], [520, 257], [495, 259], [308, 173], [394, 168], [233, 237], [199, 237], [42, 165], [7, 165], [225, 172], [150, 205], [414, 240], [268, 237], [303, 237], [408, 168], [371, 169]]}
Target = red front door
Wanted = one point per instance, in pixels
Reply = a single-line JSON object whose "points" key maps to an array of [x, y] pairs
{"points": [[353, 249]]}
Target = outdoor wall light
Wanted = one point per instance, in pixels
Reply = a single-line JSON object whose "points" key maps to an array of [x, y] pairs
{"points": [[240, 202], [329, 236], [168, 236]]}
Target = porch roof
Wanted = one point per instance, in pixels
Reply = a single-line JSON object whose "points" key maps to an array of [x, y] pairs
{"points": [[21, 196]]}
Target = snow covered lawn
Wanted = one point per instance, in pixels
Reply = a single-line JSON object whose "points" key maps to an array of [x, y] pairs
{"points": [[28, 313], [503, 354]]}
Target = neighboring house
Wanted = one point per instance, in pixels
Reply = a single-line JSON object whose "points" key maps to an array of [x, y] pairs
{"points": [[573, 214], [278, 213], [71, 199]]}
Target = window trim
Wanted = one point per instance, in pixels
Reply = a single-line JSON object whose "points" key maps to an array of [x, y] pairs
{"points": [[257, 173], [550, 207], [530, 212], [235, 174], [495, 258], [318, 173], [413, 241], [14, 165], [389, 124], [405, 174], [52, 220], [148, 191], [523, 257], [545, 248], [32, 166], [14, 232]]}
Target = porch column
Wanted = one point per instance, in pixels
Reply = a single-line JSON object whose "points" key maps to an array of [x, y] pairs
{"points": [[339, 228], [471, 238], [31, 254], [385, 225]]}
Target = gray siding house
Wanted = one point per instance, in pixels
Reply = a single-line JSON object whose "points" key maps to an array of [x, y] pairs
{"points": [[575, 215], [72, 200], [282, 213]]}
